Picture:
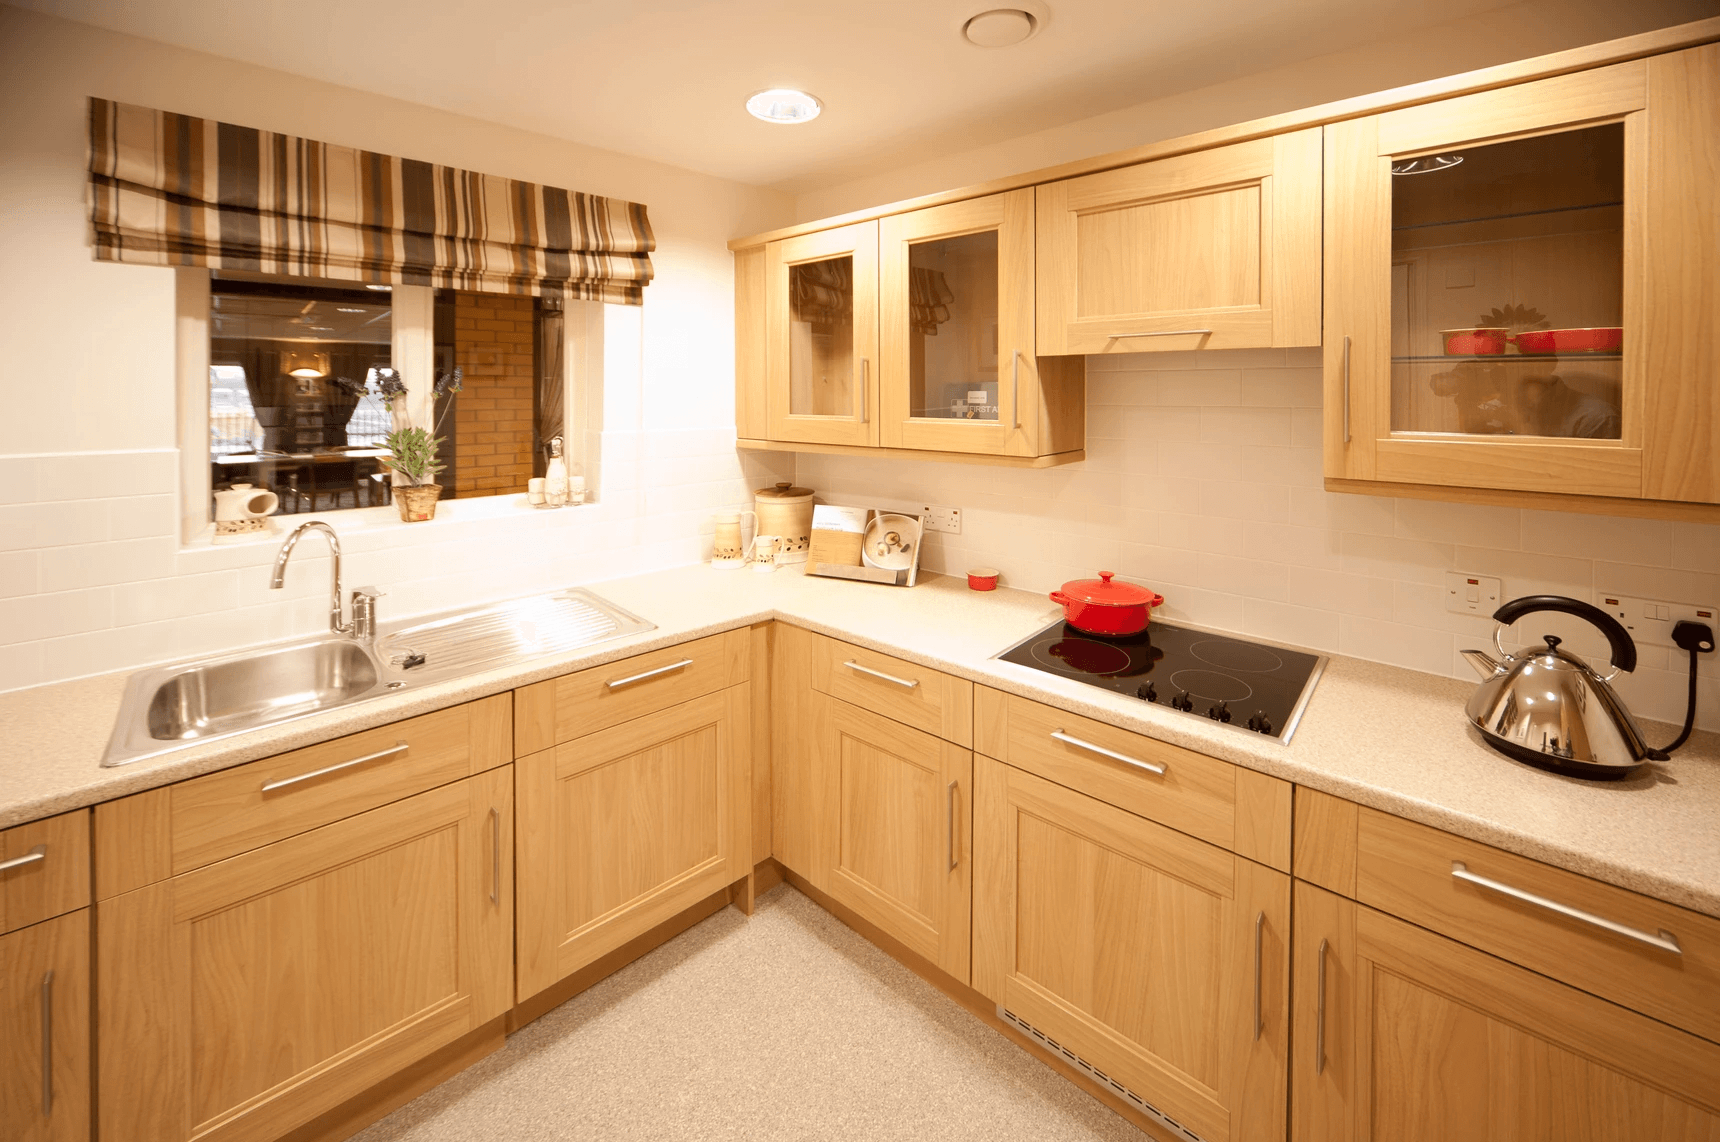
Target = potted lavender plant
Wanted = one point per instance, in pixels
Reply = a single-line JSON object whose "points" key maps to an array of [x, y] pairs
{"points": [[413, 449]]}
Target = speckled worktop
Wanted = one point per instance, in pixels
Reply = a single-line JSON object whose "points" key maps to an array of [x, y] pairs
{"points": [[1391, 738]]}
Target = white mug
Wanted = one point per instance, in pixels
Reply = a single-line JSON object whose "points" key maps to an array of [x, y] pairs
{"points": [[727, 549], [764, 553]]}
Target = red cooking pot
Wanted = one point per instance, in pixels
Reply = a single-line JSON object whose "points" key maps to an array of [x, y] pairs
{"points": [[1099, 606]]}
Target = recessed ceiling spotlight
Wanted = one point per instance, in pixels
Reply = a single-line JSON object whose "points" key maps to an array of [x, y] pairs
{"points": [[1000, 28], [784, 105]]}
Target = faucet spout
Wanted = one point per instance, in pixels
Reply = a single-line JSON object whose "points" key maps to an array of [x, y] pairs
{"points": [[335, 615]]}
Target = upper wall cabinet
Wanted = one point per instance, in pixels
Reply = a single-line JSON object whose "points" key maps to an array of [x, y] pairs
{"points": [[1521, 287], [1219, 249], [914, 333]]}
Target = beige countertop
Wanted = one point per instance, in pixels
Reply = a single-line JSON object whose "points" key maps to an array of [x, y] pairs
{"points": [[1386, 737]]}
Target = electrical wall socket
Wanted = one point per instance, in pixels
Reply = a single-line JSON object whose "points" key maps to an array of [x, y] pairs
{"points": [[942, 519], [1468, 594], [1652, 620]]}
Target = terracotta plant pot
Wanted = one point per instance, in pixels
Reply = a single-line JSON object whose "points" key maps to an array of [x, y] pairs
{"points": [[417, 501]]}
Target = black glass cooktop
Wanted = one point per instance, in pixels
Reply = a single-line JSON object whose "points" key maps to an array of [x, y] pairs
{"points": [[1243, 684]]}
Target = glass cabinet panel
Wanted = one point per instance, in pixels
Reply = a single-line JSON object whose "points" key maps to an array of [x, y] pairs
{"points": [[821, 338], [952, 328], [1507, 287]]}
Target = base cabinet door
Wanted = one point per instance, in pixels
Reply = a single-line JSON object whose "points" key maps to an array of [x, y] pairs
{"points": [[241, 1000], [45, 1031], [1406, 1036], [892, 822], [1161, 960], [621, 829]]}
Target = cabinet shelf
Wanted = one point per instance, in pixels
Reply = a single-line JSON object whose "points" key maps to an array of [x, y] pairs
{"points": [[1542, 358], [1508, 217]]}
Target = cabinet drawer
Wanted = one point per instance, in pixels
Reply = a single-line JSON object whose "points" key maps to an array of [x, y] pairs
{"points": [[902, 691], [1410, 870], [177, 828], [1194, 793], [561, 709], [52, 870]]}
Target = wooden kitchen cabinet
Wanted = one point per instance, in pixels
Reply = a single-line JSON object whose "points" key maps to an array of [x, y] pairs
{"points": [[892, 829], [624, 828], [1161, 960], [1218, 249], [1569, 203], [247, 997], [45, 1031], [1403, 1034], [821, 328]]}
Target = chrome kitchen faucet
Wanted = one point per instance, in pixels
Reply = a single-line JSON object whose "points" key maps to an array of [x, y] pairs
{"points": [[363, 625]]}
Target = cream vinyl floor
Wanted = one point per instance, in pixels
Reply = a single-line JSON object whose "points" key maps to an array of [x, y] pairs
{"points": [[787, 1025]]}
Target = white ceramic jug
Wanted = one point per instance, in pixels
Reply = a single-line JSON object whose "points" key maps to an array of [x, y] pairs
{"points": [[242, 511]]}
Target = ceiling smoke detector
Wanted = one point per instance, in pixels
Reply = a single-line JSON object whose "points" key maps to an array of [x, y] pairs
{"points": [[1000, 28], [784, 105]]}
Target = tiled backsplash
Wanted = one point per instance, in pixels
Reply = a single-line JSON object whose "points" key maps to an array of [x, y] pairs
{"points": [[1202, 479], [93, 577]]}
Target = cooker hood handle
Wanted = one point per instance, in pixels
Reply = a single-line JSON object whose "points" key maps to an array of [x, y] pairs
{"points": [[1623, 649]]}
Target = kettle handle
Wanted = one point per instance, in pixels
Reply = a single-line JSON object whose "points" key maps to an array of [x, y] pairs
{"points": [[1623, 649]]}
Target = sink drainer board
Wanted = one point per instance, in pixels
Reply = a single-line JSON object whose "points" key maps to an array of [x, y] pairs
{"points": [[187, 703], [522, 628]]}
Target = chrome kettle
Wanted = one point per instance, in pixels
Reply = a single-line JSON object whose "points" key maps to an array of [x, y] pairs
{"points": [[1546, 706]]}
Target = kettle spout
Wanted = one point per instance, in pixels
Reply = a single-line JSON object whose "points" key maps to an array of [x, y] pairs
{"points": [[1483, 663]]}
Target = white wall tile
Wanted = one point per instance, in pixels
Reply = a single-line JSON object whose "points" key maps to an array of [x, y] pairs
{"points": [[1396, 643], [1646, 541], [1696, 546], [18, 573], [1476, 525], [1285, 622], [34, 617]]}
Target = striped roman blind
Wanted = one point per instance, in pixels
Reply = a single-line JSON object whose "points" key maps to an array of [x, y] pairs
{"points": [[173, 190]]}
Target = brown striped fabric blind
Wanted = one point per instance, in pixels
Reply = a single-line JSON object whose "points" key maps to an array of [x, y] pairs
{"points": [[173, 190]]}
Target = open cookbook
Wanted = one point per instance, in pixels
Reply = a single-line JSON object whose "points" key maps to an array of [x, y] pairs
{"points": [[864, 543]]}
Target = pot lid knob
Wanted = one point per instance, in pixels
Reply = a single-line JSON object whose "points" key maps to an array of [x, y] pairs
{"points": [[1553, 641], [1106, 576]]}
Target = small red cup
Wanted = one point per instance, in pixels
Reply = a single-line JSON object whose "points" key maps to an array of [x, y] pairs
{"points": [[982, 579]]}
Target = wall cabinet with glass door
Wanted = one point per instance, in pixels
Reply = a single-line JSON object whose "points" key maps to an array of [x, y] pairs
{"points": [[1520, 287], [914, 332]]}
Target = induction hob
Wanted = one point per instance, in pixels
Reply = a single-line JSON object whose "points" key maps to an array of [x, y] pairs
{"points": [[1247, 685]]}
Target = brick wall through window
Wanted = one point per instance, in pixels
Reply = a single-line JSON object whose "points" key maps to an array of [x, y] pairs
{"points": [[493, 416]]}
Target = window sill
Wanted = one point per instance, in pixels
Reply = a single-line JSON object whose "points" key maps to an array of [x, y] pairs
{"points": [[381, 521]]}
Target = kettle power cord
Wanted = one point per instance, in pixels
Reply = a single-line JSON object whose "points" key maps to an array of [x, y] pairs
{"points": [[1696, 638]]}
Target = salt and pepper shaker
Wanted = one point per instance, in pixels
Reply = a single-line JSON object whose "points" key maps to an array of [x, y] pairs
{"points": [[555, 477]]}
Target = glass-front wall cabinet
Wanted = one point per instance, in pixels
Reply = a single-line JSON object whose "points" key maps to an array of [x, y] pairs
{"points": [[822, 326], [1484, 289], [952, 327]]}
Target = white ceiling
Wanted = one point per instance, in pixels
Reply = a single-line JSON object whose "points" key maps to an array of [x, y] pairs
{"points": [[665, 79]]}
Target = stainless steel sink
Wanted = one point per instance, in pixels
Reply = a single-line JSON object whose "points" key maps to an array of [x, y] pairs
{"points": [[173, 706]]}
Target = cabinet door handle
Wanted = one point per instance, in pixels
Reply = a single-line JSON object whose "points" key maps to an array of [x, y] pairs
{"points": [[39, 853], [904, 683], [1103, 752], [1320, 1012], [1664, 940], [48, 1044], [632, 678], [865, 385], [495, 856], [1259, 933], [1015, 387], [1159, 333], [1346, 390], [397, 747], [951, 792]]}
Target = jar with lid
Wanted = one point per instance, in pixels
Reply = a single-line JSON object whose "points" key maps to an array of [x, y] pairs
{"points": [[786, 512]]}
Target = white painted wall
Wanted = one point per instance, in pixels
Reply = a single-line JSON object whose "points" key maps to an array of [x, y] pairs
{"points": [[92, 576], [1202, 480], [1533, 28]]}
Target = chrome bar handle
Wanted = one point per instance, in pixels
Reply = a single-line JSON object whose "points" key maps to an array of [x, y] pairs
{"points": [[1259, 931], [39, 853], [1159, 333], [397, 747], [48, 1044], [904, 683], [495, 855], [1059, 735], [951, 793], [1664, 940], [1015, 387], [1320, 1012], [865, 388], [632, 678], [1346, 390]]}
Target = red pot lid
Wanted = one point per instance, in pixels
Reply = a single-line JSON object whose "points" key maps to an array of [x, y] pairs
{"points": [[1102, 592]]}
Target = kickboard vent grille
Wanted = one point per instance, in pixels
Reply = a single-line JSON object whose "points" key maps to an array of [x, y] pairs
{"points": [[1097, 1075]]}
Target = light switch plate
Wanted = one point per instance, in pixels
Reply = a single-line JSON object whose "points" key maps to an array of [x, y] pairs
{"points": [[942, 519], [1651, 620], [1468, 594]]}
